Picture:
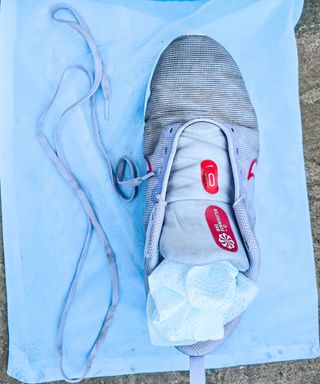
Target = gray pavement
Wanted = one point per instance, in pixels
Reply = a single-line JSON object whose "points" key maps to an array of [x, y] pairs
{"points": [[294, 372]]}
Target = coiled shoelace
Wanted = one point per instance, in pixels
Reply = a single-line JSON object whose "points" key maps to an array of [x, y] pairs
{"points": [[57, 156]]}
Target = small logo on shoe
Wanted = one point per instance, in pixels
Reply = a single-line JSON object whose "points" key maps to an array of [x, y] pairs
{"points": [[226, 241], [220, 228], [250, 172], [209, 176]]}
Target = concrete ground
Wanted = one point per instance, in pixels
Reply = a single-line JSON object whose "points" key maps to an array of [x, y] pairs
{"points": [[295, 372]]}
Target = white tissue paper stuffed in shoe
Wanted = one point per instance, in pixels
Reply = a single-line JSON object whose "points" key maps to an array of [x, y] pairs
{"points": [[187, 303]]}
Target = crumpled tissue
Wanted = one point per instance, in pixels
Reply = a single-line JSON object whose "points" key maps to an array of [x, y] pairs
{"points": [[189, 303]]}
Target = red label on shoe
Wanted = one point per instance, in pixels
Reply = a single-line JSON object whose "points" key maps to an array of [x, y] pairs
{"points": [[209, 176], [149, 167], [220, 228], [250, 172]]}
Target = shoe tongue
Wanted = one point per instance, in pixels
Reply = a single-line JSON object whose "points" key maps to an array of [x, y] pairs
{"points": [[201, 168], [200, 225]]}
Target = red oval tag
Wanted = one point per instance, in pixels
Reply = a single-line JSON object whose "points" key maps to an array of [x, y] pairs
{"points": [[209, 176], [220, 228]]}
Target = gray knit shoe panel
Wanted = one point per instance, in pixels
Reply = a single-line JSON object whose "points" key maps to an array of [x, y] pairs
{"points": [[195, 77]]}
